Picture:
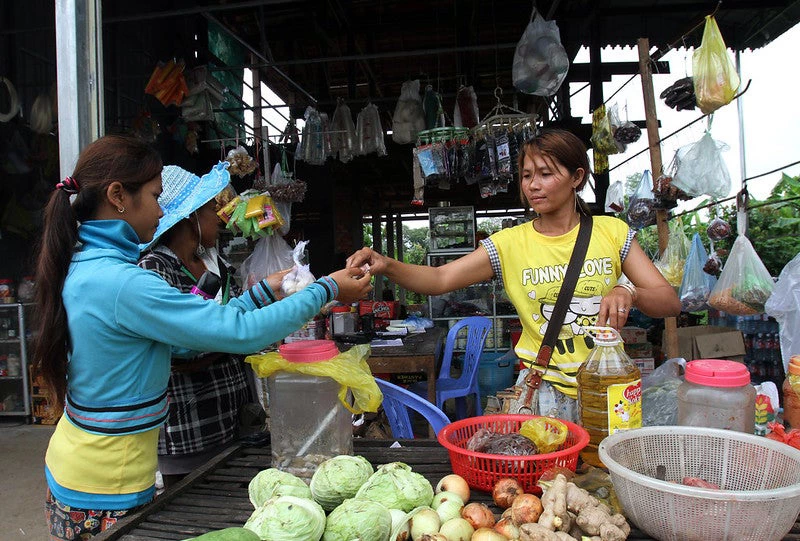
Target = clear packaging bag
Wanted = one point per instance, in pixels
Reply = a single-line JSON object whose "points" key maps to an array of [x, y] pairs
{"points": [[540, 61], [300, 276], [784, 305], [714, 74], [660, 393], [673, 260], [701, 169], [602, 137], [641, 210], [271, 254], [696, 285], [369, 132], [745, 284], [343, 132], [615, 197], [409, 118]]}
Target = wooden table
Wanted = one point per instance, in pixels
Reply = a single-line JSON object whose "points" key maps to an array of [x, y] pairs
{"points": [[417, 354], [215, 496]]}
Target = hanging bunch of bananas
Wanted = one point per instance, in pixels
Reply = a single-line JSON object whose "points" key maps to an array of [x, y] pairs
{"points": [[680, 95]]}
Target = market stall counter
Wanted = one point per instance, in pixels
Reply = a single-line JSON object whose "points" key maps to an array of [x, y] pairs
{"points": [[215, 496]]}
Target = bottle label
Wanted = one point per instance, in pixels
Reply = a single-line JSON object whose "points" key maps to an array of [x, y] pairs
{"points": [[624, 406]]}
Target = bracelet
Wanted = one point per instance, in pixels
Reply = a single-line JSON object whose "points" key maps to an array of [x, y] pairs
{"points": [[630, 288]]}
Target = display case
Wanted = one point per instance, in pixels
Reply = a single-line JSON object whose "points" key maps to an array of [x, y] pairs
{"points": [[14, 389], [482, 299], [452, 229]]}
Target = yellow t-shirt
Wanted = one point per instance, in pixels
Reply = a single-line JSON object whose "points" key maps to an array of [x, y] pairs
{"points": [[532, 268]]}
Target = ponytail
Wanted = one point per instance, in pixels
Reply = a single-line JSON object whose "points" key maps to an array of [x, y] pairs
{"points": [[111, 158]]}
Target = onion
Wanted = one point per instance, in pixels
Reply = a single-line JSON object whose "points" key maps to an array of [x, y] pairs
{"points": [[526, 508], [444, 496], [454, 483], [504, 492], [507, 528], [506, 513], [424, 521], [398, 520], [433, 537], [449, 509], [478, 514], [487, 534], [457, 529]]}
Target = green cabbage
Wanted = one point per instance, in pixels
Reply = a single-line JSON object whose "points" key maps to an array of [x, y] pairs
{"points": [[272, 482], [287, 518], [358, 519], [397, 487], [338, 479]]}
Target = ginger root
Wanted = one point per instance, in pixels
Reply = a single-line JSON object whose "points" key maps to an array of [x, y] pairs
{"points": [[554, 502], [536, 532]]}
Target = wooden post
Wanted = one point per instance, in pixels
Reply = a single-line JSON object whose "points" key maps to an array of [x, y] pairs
{"points": [[651, 121]]}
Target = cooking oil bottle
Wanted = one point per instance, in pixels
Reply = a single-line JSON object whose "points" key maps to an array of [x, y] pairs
{"points": [[609, 391]]}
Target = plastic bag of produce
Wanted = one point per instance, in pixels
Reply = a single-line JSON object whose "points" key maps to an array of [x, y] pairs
{"points": [[784, 306], [745, 284], [349, 369], [602, 137], [642, 206], [714, 74], [696, 285], [701, 169], [409, 118], [615, 197], [660, 393], [540, 61], [673, 260]]}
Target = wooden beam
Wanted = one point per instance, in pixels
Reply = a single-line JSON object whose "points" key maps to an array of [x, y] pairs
{"points": [[651, 120]]}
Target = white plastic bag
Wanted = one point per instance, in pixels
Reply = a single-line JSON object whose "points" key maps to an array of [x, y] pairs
{"points": [[271, 254], [615, 197], [540, 61], [300, 276], [343, 132], [369, 132], [701, 169], [784, 305], [409, 118]]}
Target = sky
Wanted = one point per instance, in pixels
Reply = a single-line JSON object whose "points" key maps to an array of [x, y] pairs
{"points": [[771, 114]]}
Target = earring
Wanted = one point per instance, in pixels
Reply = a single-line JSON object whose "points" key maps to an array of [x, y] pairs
{"points": [[121, 210], [200, 250]]}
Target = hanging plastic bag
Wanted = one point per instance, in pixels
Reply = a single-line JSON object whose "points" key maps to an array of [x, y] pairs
{"points": [[784, 305], [271, 254], [432, 106], [615, 197], [642, 205], [718, 229], [369, 132], [745, 284], [696, 285], [343, 132], [701, 169], [349, 369], [673, 260], [540, 61], [279, 179], [300, 276], [714, 74], [615, 124], [626, 132], [311, 148], [409, 118], [660, 393], [465, 113], [242, 164]]}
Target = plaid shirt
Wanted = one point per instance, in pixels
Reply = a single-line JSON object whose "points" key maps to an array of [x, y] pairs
{"points": [[203, 405]]}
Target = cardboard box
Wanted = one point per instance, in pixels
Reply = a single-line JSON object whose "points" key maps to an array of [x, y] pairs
{"points": [[639, 351], [380, 309], [645, 366], [709, 342], [633, 335]]}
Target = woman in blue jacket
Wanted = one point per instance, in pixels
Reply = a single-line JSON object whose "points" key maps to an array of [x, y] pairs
{"points": [[107, 327]]}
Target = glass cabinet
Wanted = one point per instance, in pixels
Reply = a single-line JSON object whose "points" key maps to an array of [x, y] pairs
{"points": [[14, 390], [452, 229]]}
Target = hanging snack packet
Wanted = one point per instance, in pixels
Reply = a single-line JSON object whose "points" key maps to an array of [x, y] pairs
{"points": [[745, 283]]}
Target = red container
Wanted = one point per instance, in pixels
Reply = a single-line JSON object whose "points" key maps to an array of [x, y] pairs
{"points": [[309, 351], [483, 470]]}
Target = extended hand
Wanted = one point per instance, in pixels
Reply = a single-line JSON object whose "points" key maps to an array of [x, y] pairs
{"points": [[368, 256], [354, 284]]}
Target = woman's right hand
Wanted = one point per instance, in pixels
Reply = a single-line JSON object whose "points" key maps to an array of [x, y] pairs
{"points": [[354, 284]]}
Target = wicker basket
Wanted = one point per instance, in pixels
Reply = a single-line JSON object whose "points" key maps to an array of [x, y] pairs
{"points": [[483, 470], [759, 478]]}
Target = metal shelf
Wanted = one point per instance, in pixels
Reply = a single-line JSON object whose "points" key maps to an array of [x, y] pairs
{"points": [[18, 385], [4, 378]]}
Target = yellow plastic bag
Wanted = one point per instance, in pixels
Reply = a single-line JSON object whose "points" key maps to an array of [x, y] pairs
{"points": [[715, 78], [349, 368], [547, 433]]}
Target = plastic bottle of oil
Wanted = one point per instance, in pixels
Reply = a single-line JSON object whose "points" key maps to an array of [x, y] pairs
{"points": [[609, 391]]}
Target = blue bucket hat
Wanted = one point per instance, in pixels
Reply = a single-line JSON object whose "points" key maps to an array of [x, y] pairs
{"points": [[184, 192]]}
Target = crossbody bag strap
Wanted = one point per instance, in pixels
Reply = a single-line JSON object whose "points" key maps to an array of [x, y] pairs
{"points": [[563, 299]]}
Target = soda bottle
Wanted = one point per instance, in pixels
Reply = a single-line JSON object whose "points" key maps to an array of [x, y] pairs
{"points": [[609, 391]]}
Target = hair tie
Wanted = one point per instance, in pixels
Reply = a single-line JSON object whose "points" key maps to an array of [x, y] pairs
{"points": [[69, 185]]}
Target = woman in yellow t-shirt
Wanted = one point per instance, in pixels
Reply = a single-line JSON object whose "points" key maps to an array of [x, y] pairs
{"points": [[531, 260]]}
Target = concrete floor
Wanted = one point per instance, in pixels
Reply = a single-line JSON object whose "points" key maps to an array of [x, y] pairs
{"points": [[22, 484]]}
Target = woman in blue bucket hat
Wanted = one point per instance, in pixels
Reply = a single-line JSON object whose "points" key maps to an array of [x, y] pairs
{"points": [[206, 390], [107, 329]]}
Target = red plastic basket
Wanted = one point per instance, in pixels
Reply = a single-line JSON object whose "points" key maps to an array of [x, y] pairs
{"points": [[483, 470]]}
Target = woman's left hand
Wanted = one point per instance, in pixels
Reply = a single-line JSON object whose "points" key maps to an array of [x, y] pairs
{"points": [[275, 280], [614, 308]]}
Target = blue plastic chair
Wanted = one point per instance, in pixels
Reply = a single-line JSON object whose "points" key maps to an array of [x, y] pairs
{"points": [[467, 383], [397, 401]]}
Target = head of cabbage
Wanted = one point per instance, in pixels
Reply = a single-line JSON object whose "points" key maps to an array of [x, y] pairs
{"points": [[273, 482], [397, 487], [358, 519], [287, 518], [338, 479]]}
